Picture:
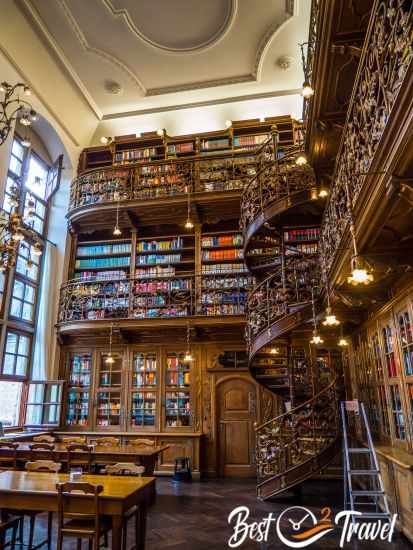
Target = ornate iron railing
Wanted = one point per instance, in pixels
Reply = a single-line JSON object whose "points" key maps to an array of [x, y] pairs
{"points": [[151, 180], [297, 436], [280, 293], [387, 55], [215, 294], [309, 59], [275, 179]]}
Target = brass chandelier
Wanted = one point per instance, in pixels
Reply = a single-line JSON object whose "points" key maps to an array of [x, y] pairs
{"points": [[12, 106]]}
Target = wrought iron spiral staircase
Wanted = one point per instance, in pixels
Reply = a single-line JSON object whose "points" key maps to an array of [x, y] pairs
{"points": [[302, 441]]}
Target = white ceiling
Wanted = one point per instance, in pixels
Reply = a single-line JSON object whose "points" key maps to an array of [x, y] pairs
{"points": [[166, 55]]}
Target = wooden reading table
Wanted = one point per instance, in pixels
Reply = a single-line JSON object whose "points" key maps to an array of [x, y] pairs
{"points": [[37, 491]]}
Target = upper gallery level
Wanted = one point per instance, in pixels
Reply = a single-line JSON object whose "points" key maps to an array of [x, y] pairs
{"points": [[135, 172]]}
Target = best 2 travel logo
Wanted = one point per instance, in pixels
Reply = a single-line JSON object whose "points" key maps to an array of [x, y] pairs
{"points": [[298, 527]]}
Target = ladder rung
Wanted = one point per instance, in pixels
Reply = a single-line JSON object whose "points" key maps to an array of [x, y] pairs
{"points": [[359, 450], [364, 472], [367, 493]]}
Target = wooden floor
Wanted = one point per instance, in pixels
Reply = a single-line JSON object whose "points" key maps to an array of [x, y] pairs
{"points": [[195, 516]]}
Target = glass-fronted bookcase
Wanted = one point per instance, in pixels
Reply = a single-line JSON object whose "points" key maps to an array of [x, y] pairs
{"points": [[141, 389]]}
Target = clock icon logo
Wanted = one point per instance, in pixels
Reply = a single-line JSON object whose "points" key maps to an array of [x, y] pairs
{"points": [[298, 527]]}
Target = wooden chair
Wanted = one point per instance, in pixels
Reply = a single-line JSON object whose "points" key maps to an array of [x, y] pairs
{"points": [[76, 523], [8, 455], [108, 442], [43, 466], [71, 440], [4, 527], [85, 459], [127, 469], [41, 451], [44, 439], [142, 442]]}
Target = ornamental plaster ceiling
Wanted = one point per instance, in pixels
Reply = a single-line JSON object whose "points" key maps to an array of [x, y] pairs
{"points": [[127, 57]]}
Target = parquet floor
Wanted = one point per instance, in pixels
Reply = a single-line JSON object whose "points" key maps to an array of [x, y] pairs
{"points": [[195, 516]]}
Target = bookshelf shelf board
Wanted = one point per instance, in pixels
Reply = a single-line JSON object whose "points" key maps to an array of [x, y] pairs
{"points": [[103, 268], [222, 260], [222, 247], [101, 255]]}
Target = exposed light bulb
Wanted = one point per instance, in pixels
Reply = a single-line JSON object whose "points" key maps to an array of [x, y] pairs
{"points": [[117, 231], [307, 90], [2, 87], [188, 357], [26, 142], [330, 320], [189, 224], [228, 123], [109, 359], [301, 160], [105, 140], [274, 351], [342, 342], [323, 193], [316, 339], [160, 132], [18, 236], [360, 276], [25, 120], [262, 119], [27, 91]]}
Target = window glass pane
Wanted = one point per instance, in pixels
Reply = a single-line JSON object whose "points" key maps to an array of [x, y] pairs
{"points": [[21, 264], [11, 342], [18, 289], [21, 366], [6, 203], [34, 415], [24, 346], [8, 367], [27, 312], [15, 165], [29, 294], [17, 150], [2, 281], [16, 308], [10, 402], [36, 392], [36, 177]]}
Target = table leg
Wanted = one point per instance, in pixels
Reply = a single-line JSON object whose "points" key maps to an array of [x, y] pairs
{"points": [[141, 527], [116, 533]]}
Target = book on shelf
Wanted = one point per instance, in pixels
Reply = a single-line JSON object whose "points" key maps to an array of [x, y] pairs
{"points": [[224, 309], [171, 244], [155, 272], [226, 282], [215, 143], [103, 249], [305, 248], [216, 269], [216, 241], [136, 154], [309, 234], [161, 286], [168, 311], [118, 261]]}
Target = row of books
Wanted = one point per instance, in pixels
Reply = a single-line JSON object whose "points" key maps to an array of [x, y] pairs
{"points": [[136, 154], [305, 248], [156, 181], [224, 309], [151, 313], [187, 147], [162, 286], [99, 250], [228, 254], [155, 272], [102, 276], [217, 269], [217, 143], [225, 297], [160, 245], [226, 282], [118, 261], [309, 234], [250, 140], [147, 379], [147, 396], [216, 241], [144, 362], [156, 259]]}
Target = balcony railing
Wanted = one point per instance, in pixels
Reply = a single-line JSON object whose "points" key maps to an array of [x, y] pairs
{"points": [[217, 294], [387, 55], [225, 172]]}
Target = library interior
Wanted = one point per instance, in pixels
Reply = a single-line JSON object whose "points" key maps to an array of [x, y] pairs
{"points": [[206, 258]]}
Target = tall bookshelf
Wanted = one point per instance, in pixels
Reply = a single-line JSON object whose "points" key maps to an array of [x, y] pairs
{"points": [[164, 276], [132, 150], [79, 376], [273, 368], [144, 391], [109, 406], [178, 398], [225, 278], [301, 240]]}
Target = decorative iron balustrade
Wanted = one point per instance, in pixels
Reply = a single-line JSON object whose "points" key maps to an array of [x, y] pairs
{"points": [[212, 294], [387, 55], [151, 180], [297, 436], [280, 293], [276, 179], [308, 61]]}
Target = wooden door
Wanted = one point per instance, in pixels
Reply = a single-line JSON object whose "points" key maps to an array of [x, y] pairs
{"points": [[236, 414]]}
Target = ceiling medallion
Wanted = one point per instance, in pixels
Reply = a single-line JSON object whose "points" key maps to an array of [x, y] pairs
{"points": [[112, 87], [285, 62]]}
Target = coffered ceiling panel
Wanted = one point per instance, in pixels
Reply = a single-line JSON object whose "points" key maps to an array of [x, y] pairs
{"points": [[132, 55]]}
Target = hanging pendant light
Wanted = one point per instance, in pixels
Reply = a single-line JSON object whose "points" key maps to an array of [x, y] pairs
{"points": [[117, 230], [330, 318], [109, 360], [316, 338], [188, 355], [189, 223]]}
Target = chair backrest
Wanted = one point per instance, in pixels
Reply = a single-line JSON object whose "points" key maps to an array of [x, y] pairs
{"points": [[40, 451], [108, 441], [70, 440], [85, 458], [124, 469], [142, 442], [70, 494], [8, 450], [44, 439], [43, 466]]}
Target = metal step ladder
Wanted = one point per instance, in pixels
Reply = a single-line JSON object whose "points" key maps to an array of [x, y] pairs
{"points": [[377, 502]]}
